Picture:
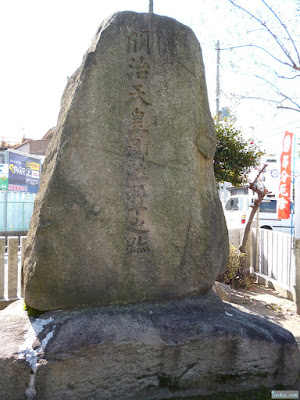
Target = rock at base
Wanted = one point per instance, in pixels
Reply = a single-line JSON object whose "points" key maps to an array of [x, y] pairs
{"points": [[189, 347], [222, 290]]}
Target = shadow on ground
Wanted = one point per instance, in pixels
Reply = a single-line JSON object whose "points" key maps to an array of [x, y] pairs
{"points": [[270, 305]]}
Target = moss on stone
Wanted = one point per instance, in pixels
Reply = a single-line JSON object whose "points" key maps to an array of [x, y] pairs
{"points": [[32, 312]]}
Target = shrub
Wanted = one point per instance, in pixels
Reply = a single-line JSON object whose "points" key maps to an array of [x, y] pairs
{"points": [[236, 275]]}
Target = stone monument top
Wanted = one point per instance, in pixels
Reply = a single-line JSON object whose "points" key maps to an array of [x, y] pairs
{"points": [[128, 209]]}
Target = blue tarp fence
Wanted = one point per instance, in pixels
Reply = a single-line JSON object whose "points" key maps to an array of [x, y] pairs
{"points": [[15, 210]]}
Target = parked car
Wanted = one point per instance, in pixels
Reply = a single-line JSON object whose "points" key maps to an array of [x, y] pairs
{"points": [[238, 209], [268, 216]]}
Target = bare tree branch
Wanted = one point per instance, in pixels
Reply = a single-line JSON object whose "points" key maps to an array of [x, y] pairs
{"points": [[252, 184], [261, 194], [276, 73], [288, 108], [266, 51], [284, 27], [275, 37], [285, 54], [272, 101], [286, 77], [279, 93]]}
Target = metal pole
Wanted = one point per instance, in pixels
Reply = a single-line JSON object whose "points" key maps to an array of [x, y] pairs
{"points": [[297, 208], [293, 186], [6, 160], [292, 201], [218, 82], [257, 228], [151, 6]]}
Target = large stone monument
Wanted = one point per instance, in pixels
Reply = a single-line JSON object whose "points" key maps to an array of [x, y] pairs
{"points": [[128, 236], [128, 209]]}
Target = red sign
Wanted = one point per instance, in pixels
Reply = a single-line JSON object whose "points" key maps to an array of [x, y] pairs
{"points": [[285, 177], [17, 188]]}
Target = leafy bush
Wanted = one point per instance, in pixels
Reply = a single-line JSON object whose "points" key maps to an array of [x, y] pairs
{"points": [[236, 275], [235, 156]]}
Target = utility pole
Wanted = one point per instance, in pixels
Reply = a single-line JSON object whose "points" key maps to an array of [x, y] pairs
{"points": [[252, 127], [218, 82], [151, 6]]}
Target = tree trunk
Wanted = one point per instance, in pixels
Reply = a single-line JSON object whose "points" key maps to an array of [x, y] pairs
{"points": [[257, 203]]}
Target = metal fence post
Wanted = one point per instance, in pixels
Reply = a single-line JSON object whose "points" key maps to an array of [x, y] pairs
{"points": [[5, 210], [12, 264], [297, 280], [2, 263], [22, 245]]}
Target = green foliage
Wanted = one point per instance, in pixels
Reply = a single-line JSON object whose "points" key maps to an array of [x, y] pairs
{"points": [[32, 312], [233, 265], [235, 156], [234, 262], [235, 274]]}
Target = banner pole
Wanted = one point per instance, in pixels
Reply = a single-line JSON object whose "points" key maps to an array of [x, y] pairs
{"points": [[293, 185]]}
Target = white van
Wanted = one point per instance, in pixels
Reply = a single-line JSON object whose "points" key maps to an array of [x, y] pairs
{"points": [[238, 209], [268, 217]]}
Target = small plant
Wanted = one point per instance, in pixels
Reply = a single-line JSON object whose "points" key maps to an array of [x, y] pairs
{"points": [[236, 275], [32, 312]]}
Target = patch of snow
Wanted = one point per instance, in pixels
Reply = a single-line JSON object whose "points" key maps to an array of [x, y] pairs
{"points": [[27, 352]]}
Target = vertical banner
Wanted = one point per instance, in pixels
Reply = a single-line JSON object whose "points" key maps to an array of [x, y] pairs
{"points": [[285, 177]]}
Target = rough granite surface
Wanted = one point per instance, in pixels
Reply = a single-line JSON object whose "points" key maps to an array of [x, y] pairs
{"points": [[170, 349], [128, 209]]}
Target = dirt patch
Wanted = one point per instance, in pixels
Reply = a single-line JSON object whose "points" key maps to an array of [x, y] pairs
{"points": [[268, 304]]}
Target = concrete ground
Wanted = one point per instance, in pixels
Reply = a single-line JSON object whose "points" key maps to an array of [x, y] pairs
{"points": [[5, 303], [268, 304]]}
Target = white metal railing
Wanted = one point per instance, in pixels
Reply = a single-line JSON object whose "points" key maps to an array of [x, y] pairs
{"points": [[11, 254], [276, 258]]}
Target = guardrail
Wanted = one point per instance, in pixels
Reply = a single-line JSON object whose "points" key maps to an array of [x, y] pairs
{"points": [[276, 262]]}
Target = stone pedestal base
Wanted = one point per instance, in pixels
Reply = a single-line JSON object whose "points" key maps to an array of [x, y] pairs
{"points": [[149, 351]]}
